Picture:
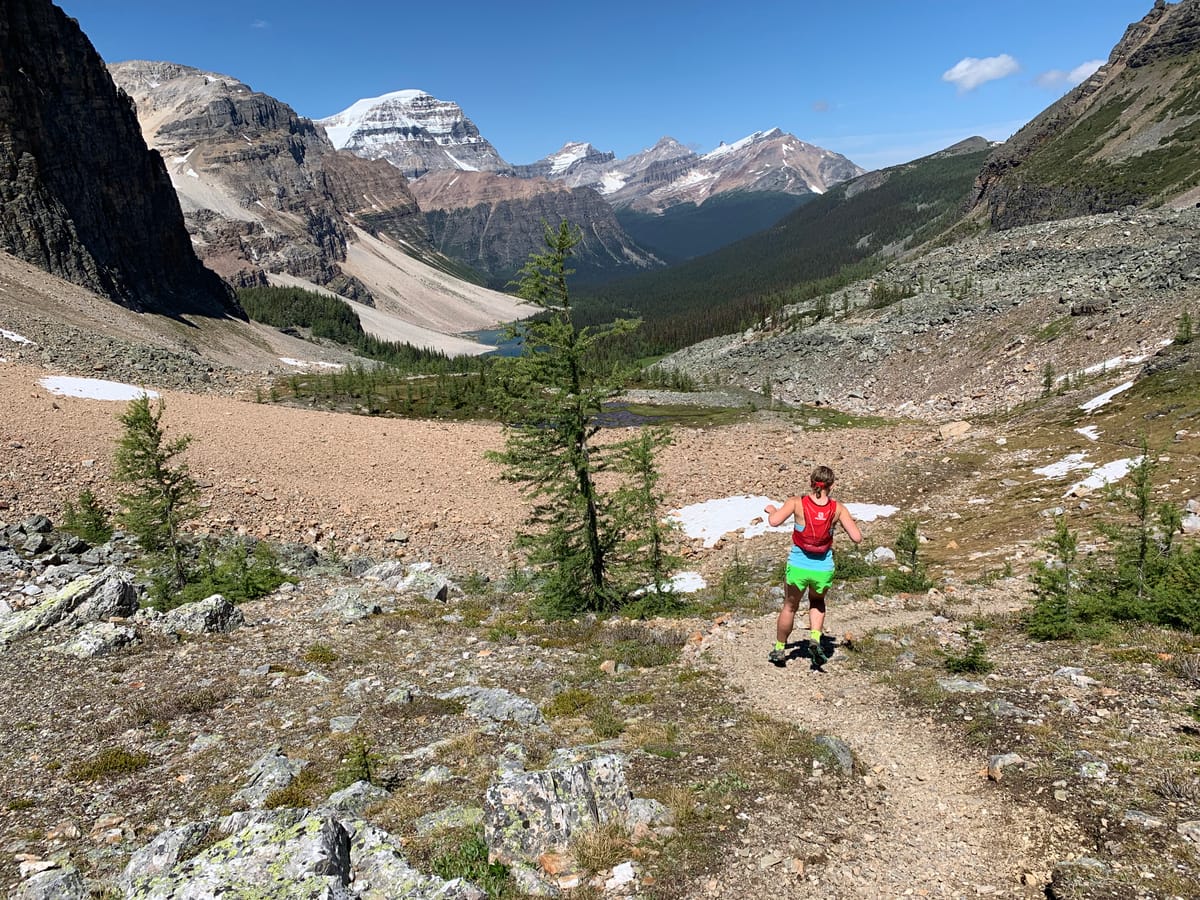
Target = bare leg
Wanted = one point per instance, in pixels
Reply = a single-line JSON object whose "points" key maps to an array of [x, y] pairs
{"points": [[787, 615], [816, 610]]}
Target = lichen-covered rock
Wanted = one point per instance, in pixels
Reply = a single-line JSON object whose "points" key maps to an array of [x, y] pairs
{"points": [[837, 750], [299, 861], [350, 605], [212, 615], [98, 639], [92, 598], [497, 705], [531, 813], [164, 852], [54, 884], [647, 811], [450, 817], [382, 873], [272, 772], [355, 798]]}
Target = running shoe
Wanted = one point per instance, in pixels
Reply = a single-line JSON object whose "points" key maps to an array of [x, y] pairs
{"points": [[817, 654], [778, 657]]}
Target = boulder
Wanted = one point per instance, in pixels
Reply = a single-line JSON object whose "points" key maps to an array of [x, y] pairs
{"points": [[349, 605], [106, 594], [163, 853], [98, 639], [497, 705], [382, 873], [531, 813], [273, 772], [881, 556], [838, 751], [305, 859], [953, 429], [355, 798], [54, 884], [212, 615]]}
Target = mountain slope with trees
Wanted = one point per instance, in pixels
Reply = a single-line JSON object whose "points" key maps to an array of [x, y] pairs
{"points": [[840, 235]]}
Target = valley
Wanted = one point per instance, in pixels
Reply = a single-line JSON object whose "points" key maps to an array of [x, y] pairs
{"points": [[354, 661]]}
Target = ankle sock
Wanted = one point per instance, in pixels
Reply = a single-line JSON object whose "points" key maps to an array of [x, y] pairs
{"points": [[778, 645], [814, 636]]}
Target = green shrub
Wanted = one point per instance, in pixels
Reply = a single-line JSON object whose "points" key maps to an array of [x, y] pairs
{"points": [[319, 653], [909, 576], [236, 574], [851, 565], [1149, 576], [89, 521], [468, 860], [359, 765], [110, 762], [974, 661], [570, 702]]}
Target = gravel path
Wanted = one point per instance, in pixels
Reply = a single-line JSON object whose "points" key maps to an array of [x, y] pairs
{"points": [[940, 828]]}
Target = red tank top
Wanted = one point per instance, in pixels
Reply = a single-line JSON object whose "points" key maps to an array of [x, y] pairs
{"points": [[817, 534]]}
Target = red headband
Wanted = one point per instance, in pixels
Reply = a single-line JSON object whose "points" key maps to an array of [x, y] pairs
{"points": [[819, 484]]}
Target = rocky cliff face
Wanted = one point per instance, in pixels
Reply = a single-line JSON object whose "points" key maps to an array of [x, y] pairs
{"points": [[415, 132], [81, 196], [1127, 136], [261, 187], [493, 223]]}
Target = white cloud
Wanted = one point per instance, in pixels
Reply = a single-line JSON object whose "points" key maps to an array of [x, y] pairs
{"points": [[260, 23], [1057, 77], [1084, 71], [970, 73]]}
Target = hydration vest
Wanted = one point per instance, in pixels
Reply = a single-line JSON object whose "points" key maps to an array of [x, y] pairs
{"points": [[817, 534]]}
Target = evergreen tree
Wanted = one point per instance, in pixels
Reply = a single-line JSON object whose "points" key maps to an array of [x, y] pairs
{"points": [[554, 391], [162, 495], [643, 555]]}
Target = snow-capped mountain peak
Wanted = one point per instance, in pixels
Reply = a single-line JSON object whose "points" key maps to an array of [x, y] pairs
{"points": [[340, 127], [415, 132]]}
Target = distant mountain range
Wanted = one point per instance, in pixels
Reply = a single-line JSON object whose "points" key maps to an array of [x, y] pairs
{"points": [[266, 196], [769, 173]]}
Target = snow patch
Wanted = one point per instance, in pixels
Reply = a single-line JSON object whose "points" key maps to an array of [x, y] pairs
{"points": [[14, 337], [191, 173], [612, 182], [1119, 362], [466, 167], [869, 512], [1070, 463], [1105, 474], [94, 388], [713, 519], [1091, 432], [568, 156], [1097, 402], [305, 364], [680, 583]]}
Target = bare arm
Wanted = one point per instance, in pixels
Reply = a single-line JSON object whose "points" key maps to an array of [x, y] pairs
{"points": [[849, 524], [777, 515]]}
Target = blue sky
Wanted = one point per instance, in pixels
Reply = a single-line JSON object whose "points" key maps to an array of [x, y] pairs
{"points": [[881, 81]]}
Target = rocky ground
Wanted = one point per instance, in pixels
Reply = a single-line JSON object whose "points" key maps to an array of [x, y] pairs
{"points": [[1068, 770], [986, 316]]}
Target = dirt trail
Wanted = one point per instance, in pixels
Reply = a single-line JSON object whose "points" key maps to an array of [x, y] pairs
{"points": [[940, 828]]}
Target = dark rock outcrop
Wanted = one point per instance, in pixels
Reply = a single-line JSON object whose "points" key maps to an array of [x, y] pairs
{"points": [[492, 223], [1127, 136], [81, 196]]}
